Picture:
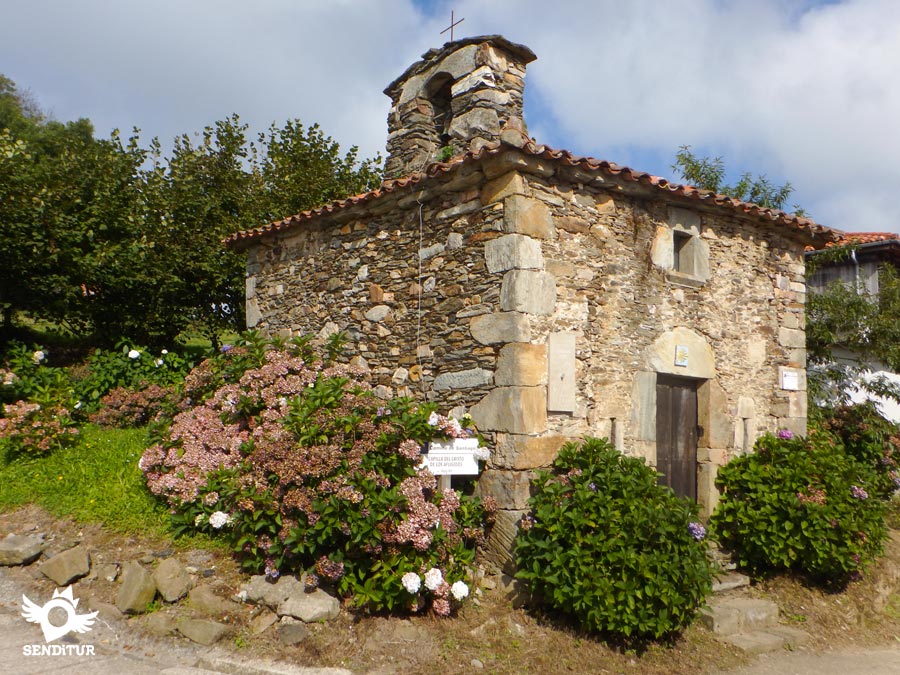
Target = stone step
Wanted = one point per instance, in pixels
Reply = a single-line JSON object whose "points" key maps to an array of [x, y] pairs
{"points": [[768, 640], [733, 615], [730, 581]]}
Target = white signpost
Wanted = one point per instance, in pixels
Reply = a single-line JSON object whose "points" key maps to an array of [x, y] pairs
{"points": [[453, 457]]}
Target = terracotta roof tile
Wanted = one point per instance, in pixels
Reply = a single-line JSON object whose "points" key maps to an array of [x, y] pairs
{"points": [[566, 158]]}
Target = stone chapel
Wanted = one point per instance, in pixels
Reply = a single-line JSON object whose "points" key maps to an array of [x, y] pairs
{"points": [[548, 295]]}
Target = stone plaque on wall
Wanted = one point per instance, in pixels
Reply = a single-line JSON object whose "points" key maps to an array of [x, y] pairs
{"points": [[561, 372]]}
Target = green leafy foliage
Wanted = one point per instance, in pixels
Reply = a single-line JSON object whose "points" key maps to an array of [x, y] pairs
{"points": [[840, 315], [709, 174], [800, 504], [108, 238], [607, 544], [869, 438]]}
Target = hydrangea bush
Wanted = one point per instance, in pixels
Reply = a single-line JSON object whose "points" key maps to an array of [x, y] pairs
{"points": [[301, 468], [36, 428], [870, 438], [606, 544], [800, 504]]}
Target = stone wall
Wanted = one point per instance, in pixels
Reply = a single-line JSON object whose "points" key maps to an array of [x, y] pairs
{"points": [[546, 304]]}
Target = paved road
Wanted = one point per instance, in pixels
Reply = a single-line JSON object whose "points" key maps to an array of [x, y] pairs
{"points": [[857, 662]]}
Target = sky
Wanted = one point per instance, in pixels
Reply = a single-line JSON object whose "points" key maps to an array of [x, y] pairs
{"points": [[806, 91]]}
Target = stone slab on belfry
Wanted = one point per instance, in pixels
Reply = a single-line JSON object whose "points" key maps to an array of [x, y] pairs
{"points": [[517, 410], [20, 549], [64, 568]]}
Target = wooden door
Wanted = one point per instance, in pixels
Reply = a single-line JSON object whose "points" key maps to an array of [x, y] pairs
{"points": [[676, 434]]}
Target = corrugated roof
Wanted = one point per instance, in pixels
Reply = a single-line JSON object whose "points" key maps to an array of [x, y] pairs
{"points": [[566, 158]]}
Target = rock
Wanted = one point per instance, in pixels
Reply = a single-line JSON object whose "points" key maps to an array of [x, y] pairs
{"points": [[522, 364], [518, 410], [108, 571], [19, 549], [205, 599], [203, 631], [64, 568], [489, 329], [528, 291], [478, 665], [137, 589], [310, 607], [160, 624], [104, 609], [513, 251], [463, 379], [262, 621], [291, 632], [172, 580], [378, 313], [260, 591]]}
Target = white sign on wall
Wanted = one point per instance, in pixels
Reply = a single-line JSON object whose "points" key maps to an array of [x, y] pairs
{"points": [[453, 457]]}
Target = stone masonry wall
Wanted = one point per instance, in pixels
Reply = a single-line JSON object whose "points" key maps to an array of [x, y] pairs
{"points": [[548, 306]]}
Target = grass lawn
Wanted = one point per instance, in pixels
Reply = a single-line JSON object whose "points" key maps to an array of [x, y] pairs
{"points": [[97, 480]]}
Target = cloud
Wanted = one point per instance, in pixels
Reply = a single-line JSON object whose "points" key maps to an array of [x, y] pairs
{"points": [[801, 91]]}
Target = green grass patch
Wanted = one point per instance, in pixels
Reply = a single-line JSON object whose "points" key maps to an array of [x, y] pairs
{"points": [[95, 481]]}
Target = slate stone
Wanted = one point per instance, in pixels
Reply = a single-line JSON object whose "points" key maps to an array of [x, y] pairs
{"points": [[489, 329], [20, 549], [292, 633], [137, 589], [172, 580], [528, 291], [206, 600], [310, 607], [260, 591], [513, 251], [518, 410], [463, 379], [64, 568], [160, 624], [203, 631], [262, 621]]}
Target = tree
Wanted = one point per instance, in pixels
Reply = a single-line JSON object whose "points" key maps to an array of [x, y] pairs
{"points": [[110, 239], [709, 174]]}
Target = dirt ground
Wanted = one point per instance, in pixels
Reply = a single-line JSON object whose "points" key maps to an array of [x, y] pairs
{"points": [[488, 635]]}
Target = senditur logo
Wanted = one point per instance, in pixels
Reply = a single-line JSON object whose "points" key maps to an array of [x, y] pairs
{"points": [[79, 623]]}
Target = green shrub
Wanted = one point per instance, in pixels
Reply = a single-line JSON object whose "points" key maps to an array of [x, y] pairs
{"points": [[607, 544], [300, 467], [127, 367], [800, 504], [870, 438]]}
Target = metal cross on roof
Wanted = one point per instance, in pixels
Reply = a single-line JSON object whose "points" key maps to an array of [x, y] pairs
{"points": [[452, 24]]}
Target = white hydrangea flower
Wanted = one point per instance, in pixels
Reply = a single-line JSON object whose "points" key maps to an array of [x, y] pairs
{"points": [[433, 579], [459, 590], [433, 419], [164, 352], [158, 362], [219, 519], [38, 356], [482, 453], [133, 354], [411, 582]]}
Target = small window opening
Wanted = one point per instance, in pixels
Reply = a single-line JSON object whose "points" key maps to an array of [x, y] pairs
{"points": [[683, 252]]}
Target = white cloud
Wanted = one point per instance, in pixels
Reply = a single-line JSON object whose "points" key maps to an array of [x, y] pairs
{"points": [[801, 91]]}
